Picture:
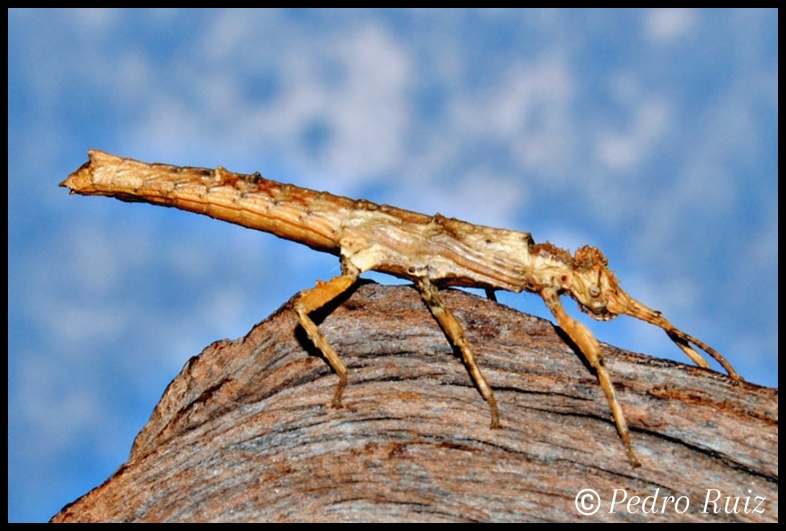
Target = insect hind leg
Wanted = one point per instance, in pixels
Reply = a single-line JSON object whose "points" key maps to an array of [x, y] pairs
{"points": [[313, 299]]}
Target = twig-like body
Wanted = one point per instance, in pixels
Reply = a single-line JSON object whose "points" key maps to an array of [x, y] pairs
{"points": [[431, 251]]}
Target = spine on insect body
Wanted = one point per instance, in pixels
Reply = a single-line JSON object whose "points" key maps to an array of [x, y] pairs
{"points": [[306, 216]]}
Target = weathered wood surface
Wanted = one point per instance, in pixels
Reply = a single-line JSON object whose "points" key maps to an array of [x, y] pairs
{"points": [[245, 432]]}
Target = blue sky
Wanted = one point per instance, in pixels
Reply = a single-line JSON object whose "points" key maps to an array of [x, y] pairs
{"points": [[651, 134]]}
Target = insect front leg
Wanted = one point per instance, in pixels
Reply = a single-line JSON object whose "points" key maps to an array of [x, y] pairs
{"points": [[457, 338], [589, 346], [315, 298]]}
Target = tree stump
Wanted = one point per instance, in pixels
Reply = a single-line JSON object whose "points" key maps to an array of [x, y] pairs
{"points": [[245, 432]]}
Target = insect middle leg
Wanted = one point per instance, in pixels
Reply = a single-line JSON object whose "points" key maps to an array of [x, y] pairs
{"points": [[315, 298], [457, 338]]}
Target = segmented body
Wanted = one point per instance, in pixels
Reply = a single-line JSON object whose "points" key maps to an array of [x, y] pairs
{"points": [[432, 251], [370, 236]]}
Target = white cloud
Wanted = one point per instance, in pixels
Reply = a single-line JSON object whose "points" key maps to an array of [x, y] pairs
{"points": [[668, 23]]}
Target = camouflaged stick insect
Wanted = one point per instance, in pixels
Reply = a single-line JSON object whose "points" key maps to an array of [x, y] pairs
{"points": [[431, 251]]}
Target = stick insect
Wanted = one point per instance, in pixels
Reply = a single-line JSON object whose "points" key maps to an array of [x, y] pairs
{"points": [[431, 251]]}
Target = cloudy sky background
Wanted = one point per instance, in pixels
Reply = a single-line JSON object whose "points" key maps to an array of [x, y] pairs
{"points": [[650, 134]]}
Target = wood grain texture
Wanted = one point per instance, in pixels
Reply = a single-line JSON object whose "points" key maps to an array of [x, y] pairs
{"points": [[245, 432]]}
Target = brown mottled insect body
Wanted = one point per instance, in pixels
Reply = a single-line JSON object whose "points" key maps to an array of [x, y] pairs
{"points": [[431, 251]]}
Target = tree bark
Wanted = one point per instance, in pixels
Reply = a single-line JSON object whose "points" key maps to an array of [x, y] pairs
{"points": [[245, 432]]}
